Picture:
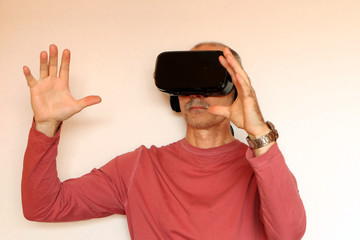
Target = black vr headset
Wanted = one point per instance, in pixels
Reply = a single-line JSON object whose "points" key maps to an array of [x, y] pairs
{"points": [[183, 73]]}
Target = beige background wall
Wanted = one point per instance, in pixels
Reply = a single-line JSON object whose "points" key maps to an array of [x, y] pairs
{"points": [[302, 57]]}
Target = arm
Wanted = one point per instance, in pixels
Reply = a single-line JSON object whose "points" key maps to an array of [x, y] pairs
{"points": [[44, 197], [281, 208]]}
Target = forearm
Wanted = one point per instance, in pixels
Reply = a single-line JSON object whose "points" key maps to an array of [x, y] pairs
{"points": [[45, 198], [267, 133], [47, 128], [40, 184], [262, 150], [281, 208]]}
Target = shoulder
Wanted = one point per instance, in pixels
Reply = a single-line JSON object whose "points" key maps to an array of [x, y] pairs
{"points": [[164, 149], [143, 152]]}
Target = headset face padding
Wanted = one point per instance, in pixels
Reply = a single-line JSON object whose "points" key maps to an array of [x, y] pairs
{"points": [[175, 104]]}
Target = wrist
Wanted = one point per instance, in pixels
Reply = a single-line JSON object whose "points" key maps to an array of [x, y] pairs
{"points": [[270, 136], [259, 151], [47, 128], [260, 131]]}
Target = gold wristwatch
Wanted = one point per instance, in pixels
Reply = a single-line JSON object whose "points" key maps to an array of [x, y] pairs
{"points": [[264, 140]]}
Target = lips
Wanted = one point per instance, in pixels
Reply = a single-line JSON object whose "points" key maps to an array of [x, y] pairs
{"points": [[197, 108]]}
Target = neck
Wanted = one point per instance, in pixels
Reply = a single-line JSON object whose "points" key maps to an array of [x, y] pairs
{"points": [[209, 138]]}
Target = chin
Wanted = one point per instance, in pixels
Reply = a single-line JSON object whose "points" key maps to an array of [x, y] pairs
{"points": [[203, 122]]}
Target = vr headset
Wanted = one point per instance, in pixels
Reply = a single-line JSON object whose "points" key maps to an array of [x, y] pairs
{"points": [[183, 73]]}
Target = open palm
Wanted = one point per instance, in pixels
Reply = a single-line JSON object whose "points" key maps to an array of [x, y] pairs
{"points": [[51, 99]]}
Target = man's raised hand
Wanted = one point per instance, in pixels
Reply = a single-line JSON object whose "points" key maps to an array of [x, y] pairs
{"points": [[245, 111], [51, 99]]}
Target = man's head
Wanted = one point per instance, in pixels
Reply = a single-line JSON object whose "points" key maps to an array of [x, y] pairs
{"points": [[204, 46], [194, 107]]}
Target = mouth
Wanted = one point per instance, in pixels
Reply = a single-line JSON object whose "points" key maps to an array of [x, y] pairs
{"points": [[198, 108]]}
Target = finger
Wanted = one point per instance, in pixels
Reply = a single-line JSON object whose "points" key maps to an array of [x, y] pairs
{"points": [[29, 78], [227, 66], [231, 71], [43, 65], [87, 102], [65, 65], [53, 61], [244, 89], [220, 110], [235, 64], [232, 60]]}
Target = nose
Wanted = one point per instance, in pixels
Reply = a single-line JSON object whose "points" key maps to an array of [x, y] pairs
{"points": [[196, 96]]}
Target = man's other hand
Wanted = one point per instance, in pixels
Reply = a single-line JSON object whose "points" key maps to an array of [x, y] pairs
{"points": [[51, 99]]}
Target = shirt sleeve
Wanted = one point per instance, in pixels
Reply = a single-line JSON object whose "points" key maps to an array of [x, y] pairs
{"points": [[281, 209], [100, 193]]}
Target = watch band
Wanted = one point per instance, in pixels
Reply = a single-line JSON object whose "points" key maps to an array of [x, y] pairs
{"points": [[264, 140]]}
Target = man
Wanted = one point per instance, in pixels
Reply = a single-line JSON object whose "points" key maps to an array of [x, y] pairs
{"points": [[205, 186]]}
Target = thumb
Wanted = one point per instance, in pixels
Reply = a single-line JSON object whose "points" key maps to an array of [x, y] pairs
{"points": [[88, 101], [220, 110]]}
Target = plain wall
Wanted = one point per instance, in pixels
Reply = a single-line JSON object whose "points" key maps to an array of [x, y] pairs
{"points": [[302, 57]]}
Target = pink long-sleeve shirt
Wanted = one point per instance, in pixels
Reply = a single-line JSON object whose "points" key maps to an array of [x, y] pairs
{"points": [[172, 192]]}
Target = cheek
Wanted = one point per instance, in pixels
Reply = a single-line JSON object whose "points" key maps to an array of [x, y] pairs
{"points": [[182, 102], [221, 101]]}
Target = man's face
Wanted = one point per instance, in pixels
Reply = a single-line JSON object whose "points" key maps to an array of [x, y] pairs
{"points": [[194, 109]]}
